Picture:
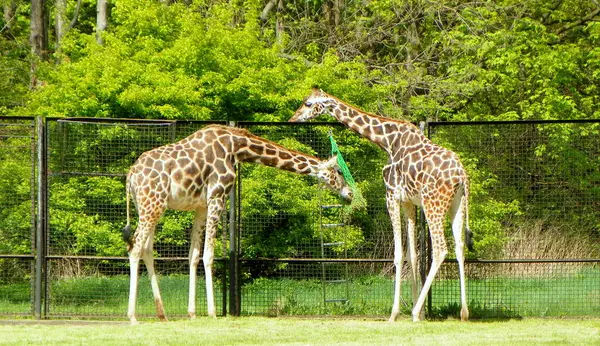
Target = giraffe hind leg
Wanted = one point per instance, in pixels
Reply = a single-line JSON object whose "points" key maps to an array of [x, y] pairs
{"points": [[149, 261], [457, 216], [196, 240], [215, 207], [409, 211], [435, 213]]}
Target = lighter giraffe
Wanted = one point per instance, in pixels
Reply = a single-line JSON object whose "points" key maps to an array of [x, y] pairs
{"points": [[196, 174], [418, 172]]}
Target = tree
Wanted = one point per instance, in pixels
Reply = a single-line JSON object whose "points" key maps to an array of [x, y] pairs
{"points": [[38, 38], [101, 20]]}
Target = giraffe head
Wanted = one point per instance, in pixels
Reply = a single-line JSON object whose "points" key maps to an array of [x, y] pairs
{"points": [[317, 103], [330, 173]]}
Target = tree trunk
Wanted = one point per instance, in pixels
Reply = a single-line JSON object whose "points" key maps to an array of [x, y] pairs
{"points": [[59, 24], [279, 25], [101, 19], [9, 14], [413, 48], [37, 38], [37, 26]]}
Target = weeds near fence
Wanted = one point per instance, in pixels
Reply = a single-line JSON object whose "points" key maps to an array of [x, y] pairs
{"points": [[370, 296]]}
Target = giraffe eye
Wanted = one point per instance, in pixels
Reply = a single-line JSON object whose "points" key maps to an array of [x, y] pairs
{"points": [[338, 170], [308, 104]]}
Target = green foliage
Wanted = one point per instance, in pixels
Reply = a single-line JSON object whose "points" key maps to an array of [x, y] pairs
{"points": [[16, 195], [80, 221], [204, 59]]}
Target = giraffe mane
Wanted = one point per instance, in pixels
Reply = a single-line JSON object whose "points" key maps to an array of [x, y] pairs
{"points": [[380, 118], [245, 133]]}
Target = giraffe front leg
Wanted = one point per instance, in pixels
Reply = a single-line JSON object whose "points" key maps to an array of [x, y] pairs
{"points": [[197, 230], [393, 206], [215, 207], [134, 264]]}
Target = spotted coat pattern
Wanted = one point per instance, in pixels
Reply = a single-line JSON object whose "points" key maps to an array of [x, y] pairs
{"points": [[196, 174], [418, 172]]}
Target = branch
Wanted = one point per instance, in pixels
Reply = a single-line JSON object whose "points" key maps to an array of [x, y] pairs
{"points": [[579, 22], [545, 17], [266, 10], [7, 25], [308, 63], [75, 15]]}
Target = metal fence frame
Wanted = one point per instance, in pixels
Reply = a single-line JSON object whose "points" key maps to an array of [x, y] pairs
{"points": [[232, 298]]}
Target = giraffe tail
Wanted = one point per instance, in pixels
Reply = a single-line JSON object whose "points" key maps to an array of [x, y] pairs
{"points": [[126, 232], [468, 233]]}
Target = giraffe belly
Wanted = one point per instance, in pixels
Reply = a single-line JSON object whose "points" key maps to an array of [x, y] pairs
{"points": [[180, 199], [416, 200]]}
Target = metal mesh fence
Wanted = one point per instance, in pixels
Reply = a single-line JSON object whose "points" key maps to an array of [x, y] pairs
{"points": [[535, 195], [292, 217], [535, 192], [88, 271], [514, 289], [17, 215]]}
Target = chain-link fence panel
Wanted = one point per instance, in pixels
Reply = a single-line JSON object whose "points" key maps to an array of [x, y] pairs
{"points": [[535, 194], [88, 271], [17, 215], [314, 236], [535, 188]]}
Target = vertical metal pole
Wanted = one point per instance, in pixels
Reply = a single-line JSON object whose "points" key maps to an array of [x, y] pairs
{"points": [[40, 255], [234, 270], [424, 240], [233, 257]]}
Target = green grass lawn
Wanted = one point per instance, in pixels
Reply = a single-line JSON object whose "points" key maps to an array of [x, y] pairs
{"points": [[295, 331]]}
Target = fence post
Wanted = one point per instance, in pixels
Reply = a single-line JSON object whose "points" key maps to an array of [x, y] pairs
{"points": [[425, 240], [234, 268], [42, 215]]}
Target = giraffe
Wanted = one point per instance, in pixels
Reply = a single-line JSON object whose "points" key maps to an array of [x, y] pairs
{"points": [[418, 173], [196, 174]]}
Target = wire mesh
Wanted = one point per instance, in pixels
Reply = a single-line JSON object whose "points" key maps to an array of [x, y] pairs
{"points": [[515, 289], [537, 180], [535, 188], [100, 288], [297, 288], [535, 195], [17, 215], [88, 163], [289, 216]]}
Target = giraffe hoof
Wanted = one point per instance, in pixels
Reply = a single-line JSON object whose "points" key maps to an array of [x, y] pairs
{"points": [[417, 318], [392, 318], [192, 315], [464, 315]]}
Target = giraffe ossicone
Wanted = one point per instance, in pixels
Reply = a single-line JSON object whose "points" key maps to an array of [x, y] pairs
{"points": [[418, 172], [196, 174]]}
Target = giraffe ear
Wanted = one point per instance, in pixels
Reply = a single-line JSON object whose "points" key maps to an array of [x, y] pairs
{"points": [[332, 162], [316, 91]]}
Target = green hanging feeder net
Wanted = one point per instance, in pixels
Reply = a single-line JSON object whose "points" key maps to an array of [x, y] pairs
{"points": [[358, 201]]}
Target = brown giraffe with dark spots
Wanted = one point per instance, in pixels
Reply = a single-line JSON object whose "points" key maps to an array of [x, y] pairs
{"points": [[196, 174], [418, 172]]}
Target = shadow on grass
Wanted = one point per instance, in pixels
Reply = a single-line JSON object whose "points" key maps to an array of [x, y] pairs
{"points": [[477, 313]]}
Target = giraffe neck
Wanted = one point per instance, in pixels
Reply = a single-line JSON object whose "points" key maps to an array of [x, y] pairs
{"points": [[389, 134], [250, 148]]}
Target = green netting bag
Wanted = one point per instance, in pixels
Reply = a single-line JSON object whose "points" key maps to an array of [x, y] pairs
{"points": [[358, 201]]}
